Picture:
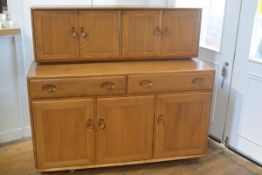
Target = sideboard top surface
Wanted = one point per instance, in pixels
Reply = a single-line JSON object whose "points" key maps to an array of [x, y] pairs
{"points": [[109, 8], [116, 68]]}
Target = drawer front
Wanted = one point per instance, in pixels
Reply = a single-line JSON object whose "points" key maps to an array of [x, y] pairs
{"points": [[77, 87], [170, 82]]}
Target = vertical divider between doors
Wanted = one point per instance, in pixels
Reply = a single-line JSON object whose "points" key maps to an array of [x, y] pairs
{"points": [[78, 36], [120, 32], [154, 127], [161, 28], [96, 131]]}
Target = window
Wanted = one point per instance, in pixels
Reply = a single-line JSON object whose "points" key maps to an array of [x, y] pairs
{"points": [[212, 21], [256, 45]]}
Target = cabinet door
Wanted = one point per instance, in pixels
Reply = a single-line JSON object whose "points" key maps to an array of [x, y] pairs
{"points": [[180, 33], [55, 35], [125, 129], [141, 33], [63, 132], [182, 125], [99, 34]]}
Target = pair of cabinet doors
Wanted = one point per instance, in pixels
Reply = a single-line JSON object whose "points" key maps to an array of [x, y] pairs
{"points": [[115, 34], [81, 132]]}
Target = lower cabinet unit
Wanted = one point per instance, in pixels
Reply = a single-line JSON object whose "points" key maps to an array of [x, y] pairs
{"points": [[182, 124], [63, 132], [119, 113], [125, 129]]}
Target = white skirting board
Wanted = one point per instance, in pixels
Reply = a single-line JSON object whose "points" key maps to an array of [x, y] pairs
{"points": [[15, 134]]}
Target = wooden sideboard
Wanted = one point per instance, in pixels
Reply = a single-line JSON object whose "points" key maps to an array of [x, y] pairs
{"points": [[109, 114], [97, 34]]}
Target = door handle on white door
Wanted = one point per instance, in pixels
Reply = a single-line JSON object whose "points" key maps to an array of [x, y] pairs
{"points": [[224, 72]]}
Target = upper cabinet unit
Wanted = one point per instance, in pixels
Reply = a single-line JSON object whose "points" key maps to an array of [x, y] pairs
{"points": [[99, 35], [141, 33], [55, 35], [96, 34], [180, 33]]}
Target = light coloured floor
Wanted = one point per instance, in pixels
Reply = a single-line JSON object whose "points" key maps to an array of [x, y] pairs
{"points": [[17, 159]]}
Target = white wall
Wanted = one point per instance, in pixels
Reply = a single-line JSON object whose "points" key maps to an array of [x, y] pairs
{"points": [[13, 101]]}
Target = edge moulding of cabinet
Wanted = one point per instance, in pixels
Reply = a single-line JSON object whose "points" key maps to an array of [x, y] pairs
{"points": [[93, 115], [98, 34]]}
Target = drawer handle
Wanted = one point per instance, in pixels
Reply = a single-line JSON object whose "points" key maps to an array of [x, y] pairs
{"points": [[101, 124], [49, 88], [90, 125], [197, 80], [108, 85], [161, 120], [146, 83]]}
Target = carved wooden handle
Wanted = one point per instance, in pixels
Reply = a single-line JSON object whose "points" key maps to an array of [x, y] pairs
{"points": [[83, 33], [161, 120], [49, 88], [101, 124], [198, 80], [146, 83], [73, 32], [108, 85], [90, 125], [157, 31], [166, 31]]}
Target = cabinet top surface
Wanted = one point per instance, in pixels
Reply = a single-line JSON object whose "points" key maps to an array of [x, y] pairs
{"points": [[107, 7], [116, 68]]}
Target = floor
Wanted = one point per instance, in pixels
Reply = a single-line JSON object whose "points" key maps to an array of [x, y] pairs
{"points": [[17, 159]]}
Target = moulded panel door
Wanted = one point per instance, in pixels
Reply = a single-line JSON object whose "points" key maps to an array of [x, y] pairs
{"points": [[55, 35], [180, 33], [63, 131], [99, 34], [125, 129], [141, 35], [182, 125]]}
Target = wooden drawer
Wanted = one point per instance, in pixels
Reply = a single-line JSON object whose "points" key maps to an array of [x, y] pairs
{"points": [[148, 83], [77, 87]]}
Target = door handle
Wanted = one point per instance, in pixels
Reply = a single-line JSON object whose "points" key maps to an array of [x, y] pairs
{"points": [[166, 31], [90, 125], [101, 124], [157, 31], [161, 120], [224, 73], [83, 33], [73, 32]]}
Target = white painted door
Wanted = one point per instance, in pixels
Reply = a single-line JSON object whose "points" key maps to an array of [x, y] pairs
{"points": [[218, 58], [223, 60], [244, 126]]}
